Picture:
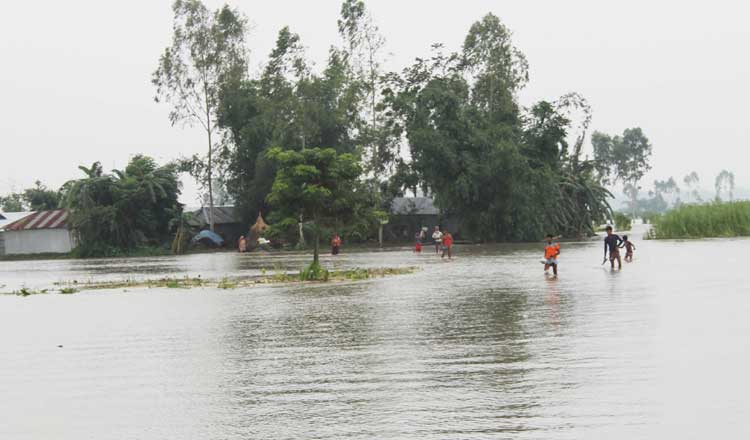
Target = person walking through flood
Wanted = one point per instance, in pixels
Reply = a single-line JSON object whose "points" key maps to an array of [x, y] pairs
{"points": [[612, 243], [418, 242], [242, 244], [551, 252], [629, 248], [335, 244], [437, 237], [447, 245]]}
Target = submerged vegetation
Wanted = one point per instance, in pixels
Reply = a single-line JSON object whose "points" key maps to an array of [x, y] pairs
{"points": [[717, 219], [305, 276]]}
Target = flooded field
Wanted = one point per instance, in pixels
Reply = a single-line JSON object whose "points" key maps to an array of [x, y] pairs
{"points": [[484, 347]]}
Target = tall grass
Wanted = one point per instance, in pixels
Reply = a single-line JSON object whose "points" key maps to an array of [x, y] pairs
{"points": [[698, 221]]}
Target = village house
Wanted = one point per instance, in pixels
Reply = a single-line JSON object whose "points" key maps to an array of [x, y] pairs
{"points": [[42, 232], [411, 214]]}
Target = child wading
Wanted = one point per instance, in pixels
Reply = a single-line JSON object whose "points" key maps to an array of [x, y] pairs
{"points": [[335, 244], [437, 237], [447, 245], [629, 248], [418, 242], [551, 251], [612, 243]]}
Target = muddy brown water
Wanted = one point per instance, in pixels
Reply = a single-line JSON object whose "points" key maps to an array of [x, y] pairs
{"points": [[484, 347]]}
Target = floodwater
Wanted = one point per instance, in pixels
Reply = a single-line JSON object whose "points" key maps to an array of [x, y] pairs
{"points": [[484, 347]]}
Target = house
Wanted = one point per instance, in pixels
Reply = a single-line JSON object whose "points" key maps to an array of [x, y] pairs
{"points": [[7, 218], [410, 214], [227, 222], [42, 232]]}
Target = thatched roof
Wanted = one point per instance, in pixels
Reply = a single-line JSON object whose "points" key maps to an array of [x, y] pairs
{"points": [[260, 225]]}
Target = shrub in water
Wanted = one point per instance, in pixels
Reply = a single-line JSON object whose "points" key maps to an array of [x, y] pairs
{"points": [[314, 272]]}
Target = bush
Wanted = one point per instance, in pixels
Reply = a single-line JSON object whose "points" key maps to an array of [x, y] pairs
{"points": [[709, 220], [314, 272], [623, 222]]}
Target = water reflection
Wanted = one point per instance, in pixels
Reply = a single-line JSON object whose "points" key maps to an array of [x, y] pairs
{"points": [[483, 347]]}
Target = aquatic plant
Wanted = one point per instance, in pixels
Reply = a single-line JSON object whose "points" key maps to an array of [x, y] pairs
{"points": [[68, 291], [717, 219]]}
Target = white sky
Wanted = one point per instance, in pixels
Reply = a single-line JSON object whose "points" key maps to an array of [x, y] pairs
{"points": [[75, 77]]}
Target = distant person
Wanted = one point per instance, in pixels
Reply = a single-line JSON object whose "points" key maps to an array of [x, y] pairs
{"points": [[447, 245], [551, 252], [418, 242], [242, 244], [612, 244], [629, 248], [437, 237], [335, 244]]}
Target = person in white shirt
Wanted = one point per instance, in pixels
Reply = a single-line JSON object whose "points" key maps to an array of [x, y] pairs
{"points": [[437, 237]]}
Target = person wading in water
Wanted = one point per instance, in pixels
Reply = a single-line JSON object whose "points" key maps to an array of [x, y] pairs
{"points": [[612, 243]]}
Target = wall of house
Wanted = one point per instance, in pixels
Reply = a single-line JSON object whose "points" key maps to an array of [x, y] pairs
{"points": [[41, 241], [2, 243]]}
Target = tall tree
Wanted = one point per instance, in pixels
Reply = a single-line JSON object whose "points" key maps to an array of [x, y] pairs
{"points": [[13, 202], [207, 49], [724, 184], [691, 181], [623, 159]]}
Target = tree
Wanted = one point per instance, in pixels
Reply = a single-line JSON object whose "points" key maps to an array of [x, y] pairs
{"points": [[668, 188], [623, 159], [320, 183], [691, 181], [40, 198], [113, 213], [13, 202], [724, 184], [207, 49]]}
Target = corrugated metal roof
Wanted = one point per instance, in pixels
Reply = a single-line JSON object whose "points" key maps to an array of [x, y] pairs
{"points": [[57, 219], [222, 215], [414, 206], [10, 217]]}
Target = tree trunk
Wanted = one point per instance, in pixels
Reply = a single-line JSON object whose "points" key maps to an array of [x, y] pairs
{"points": [[316, 245], [380, 235], [210, 163]]}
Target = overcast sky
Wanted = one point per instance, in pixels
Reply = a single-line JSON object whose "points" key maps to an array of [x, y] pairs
{"points": [[75, 77]]}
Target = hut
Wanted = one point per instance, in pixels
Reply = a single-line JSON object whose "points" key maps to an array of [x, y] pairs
{"points": [[411, 214], [42, 232], [226, 221]]}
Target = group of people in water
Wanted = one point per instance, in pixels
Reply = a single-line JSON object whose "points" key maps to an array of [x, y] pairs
{"points": [[612, 245], [441, 239]]}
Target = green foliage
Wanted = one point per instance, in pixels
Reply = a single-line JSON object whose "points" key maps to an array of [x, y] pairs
{"points": [[623, 222], [68, 290], [207, 50], [730, 219], [320, 185], [724, 184], [40, 198], [115, 214], [314, 272], [12, 202]]}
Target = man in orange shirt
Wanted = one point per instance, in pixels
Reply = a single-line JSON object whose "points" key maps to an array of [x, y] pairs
{"points": [[551, 251]]}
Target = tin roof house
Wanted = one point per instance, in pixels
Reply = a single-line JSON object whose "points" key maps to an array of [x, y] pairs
{"points": [[410, 214], [42, 232]]}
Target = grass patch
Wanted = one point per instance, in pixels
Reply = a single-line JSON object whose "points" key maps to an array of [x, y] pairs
{"points": [[68, 290], [227, 283], [703, 221]]}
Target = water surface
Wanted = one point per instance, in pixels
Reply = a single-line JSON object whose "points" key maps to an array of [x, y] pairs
{"points": [[482, 347]]}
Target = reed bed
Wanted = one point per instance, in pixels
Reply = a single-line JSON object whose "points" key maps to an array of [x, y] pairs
{"points": [[717, 219]]}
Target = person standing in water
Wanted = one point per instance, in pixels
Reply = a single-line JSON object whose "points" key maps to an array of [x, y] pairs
{"points": [[335, 244], [629, 248], [447, 245], [418, 242], [612, 242], [437, 237], [551, 251]]}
